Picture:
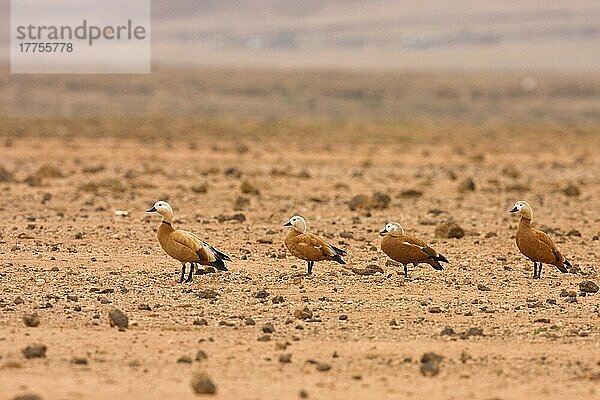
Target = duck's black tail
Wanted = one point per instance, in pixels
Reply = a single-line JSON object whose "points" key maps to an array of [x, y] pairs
{"points": [[338, 256], [220, 265]]}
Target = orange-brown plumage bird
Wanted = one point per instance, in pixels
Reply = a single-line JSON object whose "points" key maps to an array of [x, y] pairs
{"points": [[535, 244], [408, 249], [185, 246], [310, 247]]}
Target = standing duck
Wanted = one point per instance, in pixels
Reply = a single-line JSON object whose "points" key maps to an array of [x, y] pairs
{"points": [[408, 249], [309, 247], [535, 244], [185, 246]]}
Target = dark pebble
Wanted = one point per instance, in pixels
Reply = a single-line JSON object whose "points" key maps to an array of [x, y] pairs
{"points": [[35, 351], [200, 321], [201, 355], [285, 358], [202, 384], [268, 328], [261, 294], [118, 318], [31, 320]]}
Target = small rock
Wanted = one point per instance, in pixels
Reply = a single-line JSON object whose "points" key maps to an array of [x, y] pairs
{"points": [[572, 190], [184, 360], [27, 396], [567, 293], [303, 394], [200, 187], [31, 320], [200, 322], [483, 288], [79, 361], [435, 310], [201, 356], [18, 300], [264, 338], [248, 188], [241, 203], [278, 299], [303, 313], [369, 270], [468, 185], [380, 200], [202, 384], [475, 331], [285, 358], [323, 367], [144, 307], [249, 321], [35, 351], [430, 363], [361, 201], [268, 328], [261, 294], [343, 317], [208, 294], [447, 331], [236, 217], [118, 318], [449, 230], [588, 287], [411, 193], [574, 232]]}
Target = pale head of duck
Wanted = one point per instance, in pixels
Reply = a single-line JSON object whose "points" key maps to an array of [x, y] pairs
{"points": [[392, 228], [523, 208], [164, 209], [298, 223]]}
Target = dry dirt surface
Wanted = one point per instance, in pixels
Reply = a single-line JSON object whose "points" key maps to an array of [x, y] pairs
{"points": [[75, 243]]}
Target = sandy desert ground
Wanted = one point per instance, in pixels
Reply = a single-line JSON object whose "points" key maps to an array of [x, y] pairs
{"points": [[239, 152], [67, 256]]}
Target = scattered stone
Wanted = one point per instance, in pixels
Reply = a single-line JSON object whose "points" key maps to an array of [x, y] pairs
{"points": [[261, 294], [201, 356], [268, 328], [118, 318], [27, 396], [411, 193], [232, 171], [588, 287], [447, 331], [449, 230], [200, 322], [475, 331], [574, 232], [483, 288], [202, 384], [184, 360], [468, 185], [571, 190], [543, 320], [200, 187], [49, 171], [5, 175], [323, 367], [567, 293], [249, 321], [430, 364], [208, 294], [248, 188], [303, 313], [241, 203], [360, 201], [144, 307], [18, 300], [371, 269], [79, 361], [31, 320], [35, 351], [264, 338], [235, 217], [343, 317], [278, 299], [285, 358], [380, 200], [435, 310], [303, 394]]}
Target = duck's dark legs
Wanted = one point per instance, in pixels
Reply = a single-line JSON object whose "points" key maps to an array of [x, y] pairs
{"points": [[182, 273], [406, 270], [310, 267], [536, 272], [191, 274], [540, 271]]}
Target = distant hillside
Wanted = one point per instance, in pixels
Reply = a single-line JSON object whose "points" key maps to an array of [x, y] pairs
{"points": [[378, 34]]}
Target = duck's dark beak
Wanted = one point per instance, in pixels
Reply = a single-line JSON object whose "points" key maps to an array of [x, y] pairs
{"points": [[514, 210], [383, 232], [287, 224], [153, 209]]}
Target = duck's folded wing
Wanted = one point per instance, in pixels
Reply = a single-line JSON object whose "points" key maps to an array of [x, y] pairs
{"points": [[546, 242], [310, 242], [193, 242]]}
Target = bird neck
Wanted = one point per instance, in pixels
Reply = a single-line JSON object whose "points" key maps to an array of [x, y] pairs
{"points": [[525, 221]]}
